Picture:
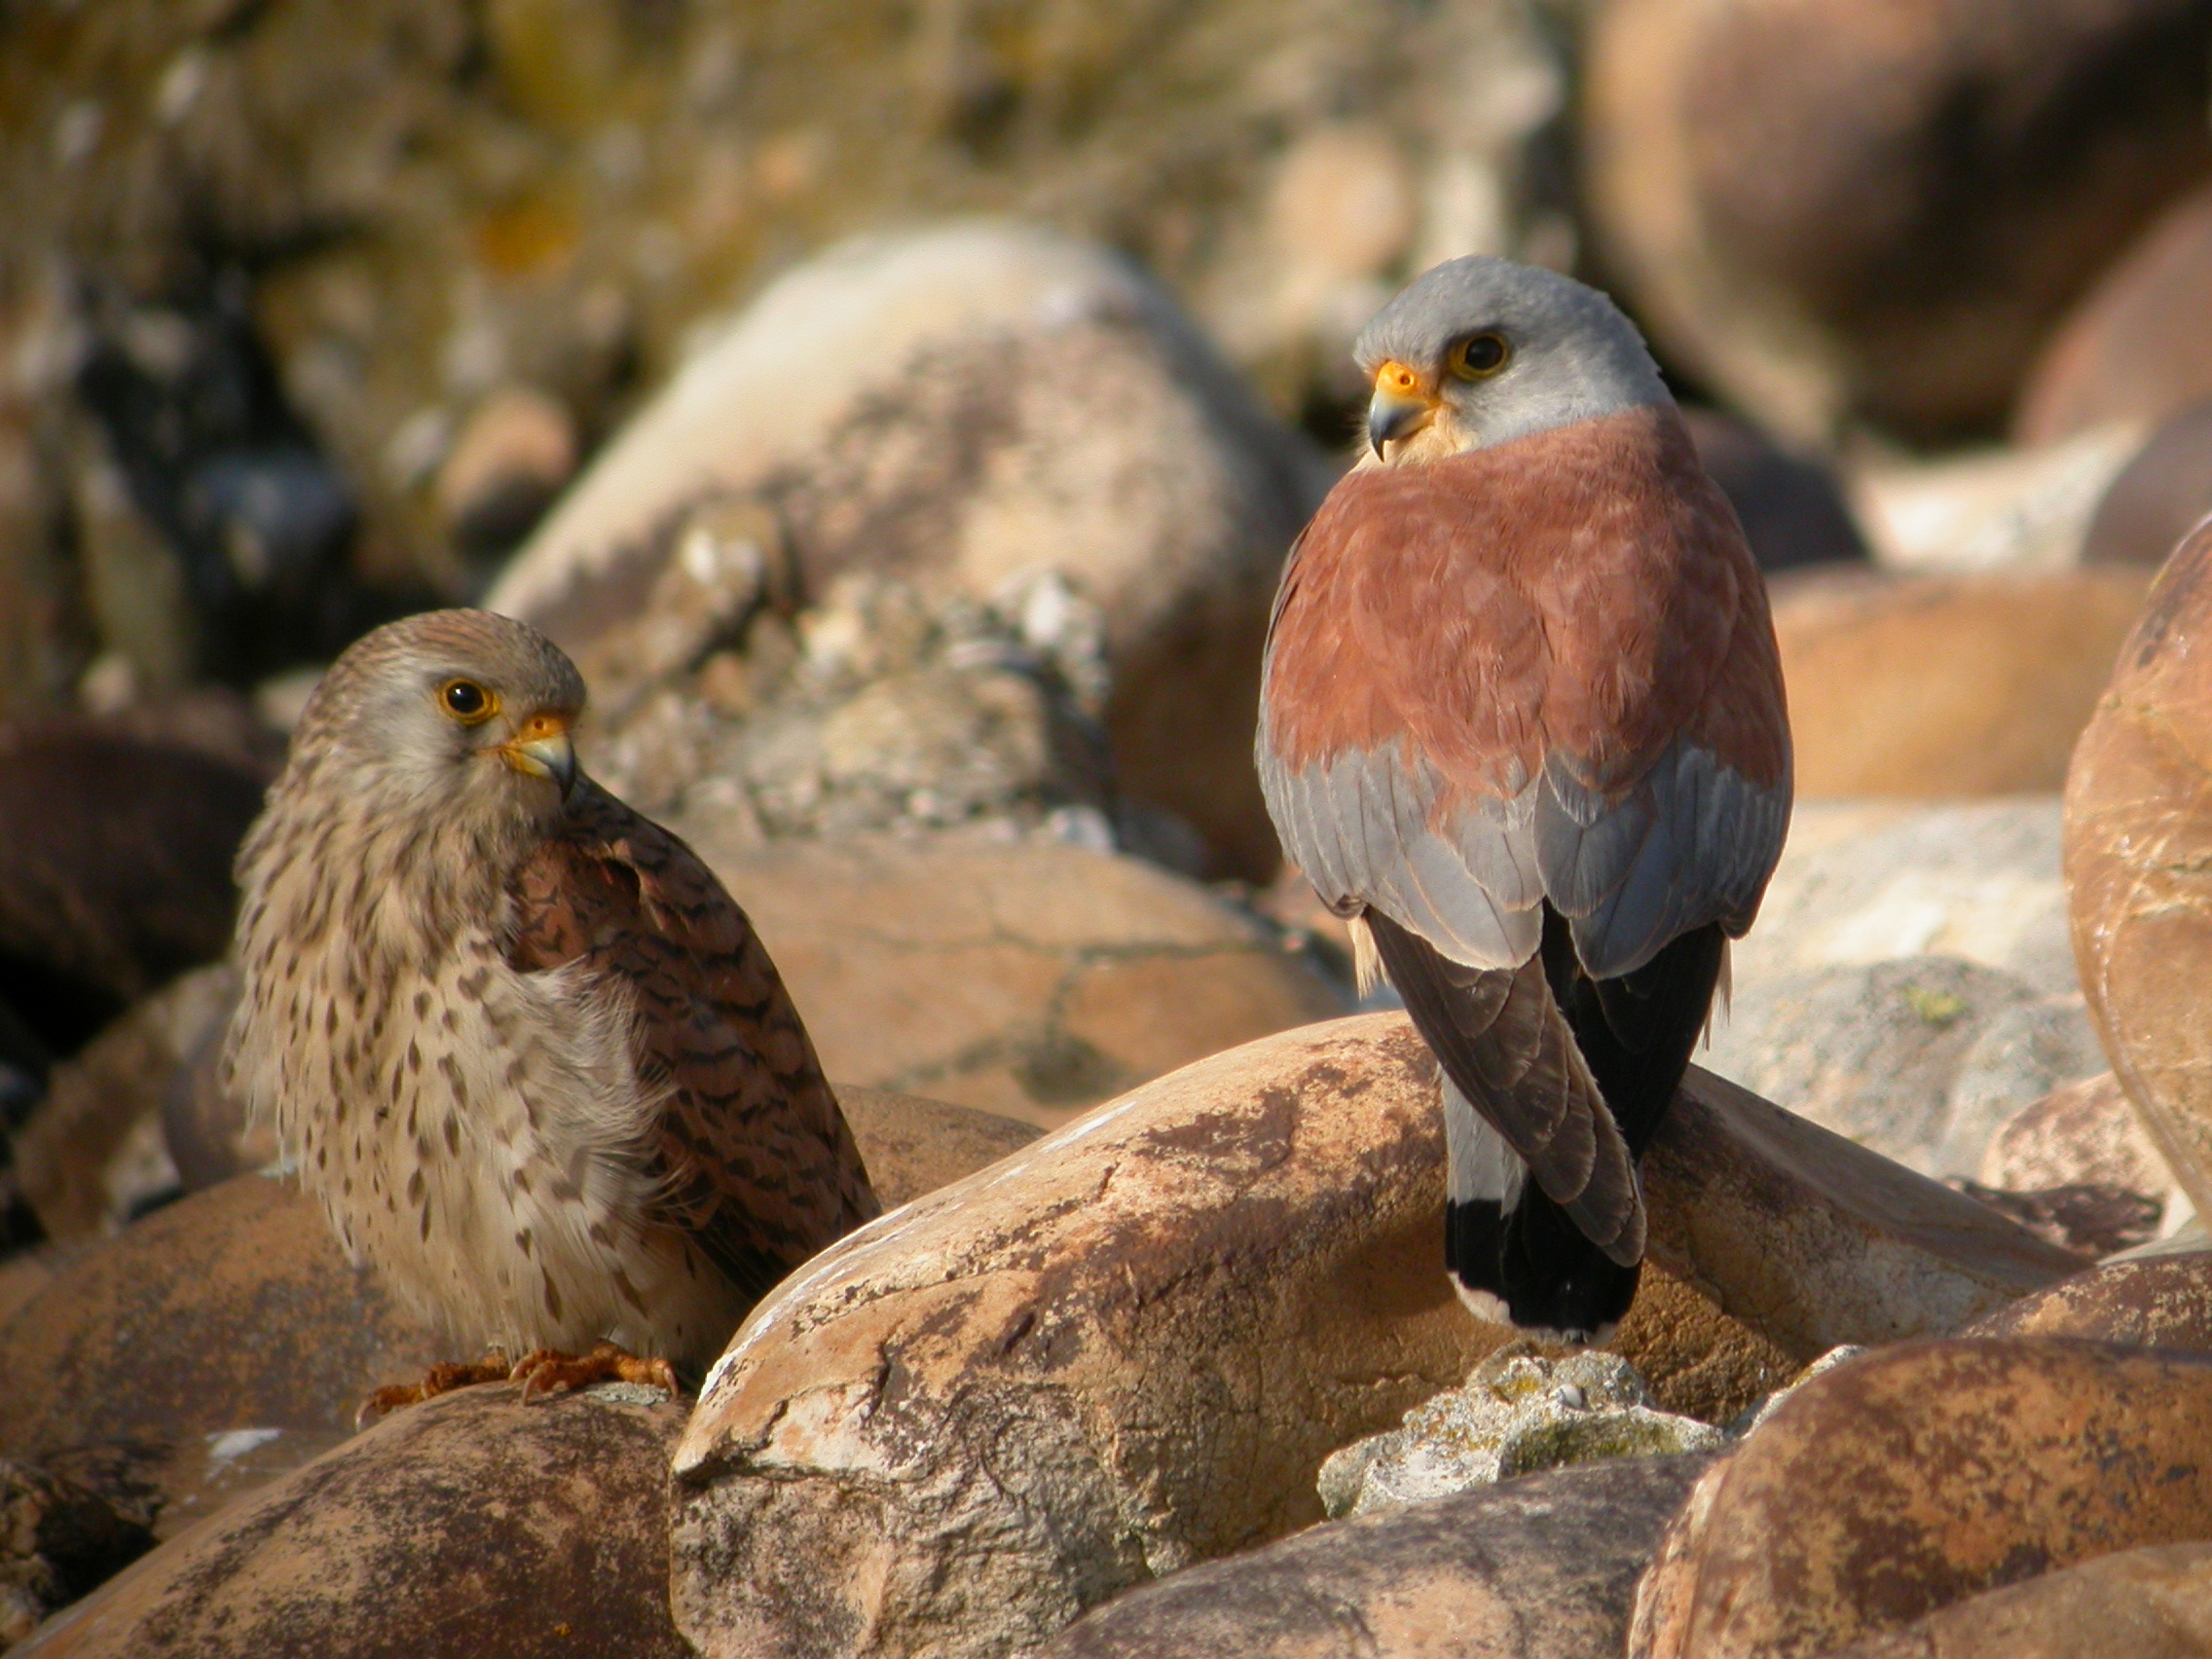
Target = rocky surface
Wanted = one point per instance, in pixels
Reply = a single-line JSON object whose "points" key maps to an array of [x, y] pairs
{"points": [[1831, 213], [2136, 837], [2154, 1602], [1986, 511], [1815, 1242], [2164, 1301], [1026, 403], [1697, 1361], [2085, 1135], [1032, 980], [2134, 349], [469, 1524], [1519, 1412], [1816, 1531], [1791, 507], [1943, 687], [1540, 1568], [1129, 1347], [2158, 498], [58, 1541]]}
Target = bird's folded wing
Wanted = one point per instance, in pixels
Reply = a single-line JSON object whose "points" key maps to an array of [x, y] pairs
{"points": [[752, 1156], [1501, 1036]]}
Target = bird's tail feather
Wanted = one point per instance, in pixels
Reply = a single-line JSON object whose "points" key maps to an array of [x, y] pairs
{"points": [[1515, 1256]]}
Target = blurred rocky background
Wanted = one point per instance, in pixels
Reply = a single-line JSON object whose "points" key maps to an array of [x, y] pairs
{"points": [[901, 411]]}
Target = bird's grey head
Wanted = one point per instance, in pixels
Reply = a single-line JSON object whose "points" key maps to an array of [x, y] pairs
{"points": [[465, 713], [1481, 352]]}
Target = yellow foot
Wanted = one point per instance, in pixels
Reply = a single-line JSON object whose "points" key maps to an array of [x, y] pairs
{"points": [[439, 1380], [549, 1371]]}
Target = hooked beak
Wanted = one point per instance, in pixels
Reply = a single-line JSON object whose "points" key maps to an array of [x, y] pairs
{"points": [[542, 749], [1402, 405]]}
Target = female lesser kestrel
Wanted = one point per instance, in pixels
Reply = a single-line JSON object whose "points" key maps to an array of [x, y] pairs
{"points": [[524, 1047]]}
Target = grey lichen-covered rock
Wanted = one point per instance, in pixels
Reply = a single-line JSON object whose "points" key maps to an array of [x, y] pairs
{"points": [[1518, 1413]]}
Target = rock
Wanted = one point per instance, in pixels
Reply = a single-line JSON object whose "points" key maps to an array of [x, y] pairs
{"points": [[1025, 401], [2135, 836], [466, 1523], [2085, 1135], [914, 1146], [1124, 1349], [1814, 1241], [94, 1153], [1830, 215], [2158, 498], [2090, 1220], [2133, 348], [1698, 1361], [1517, 1413], [115, 869], [2154, 1602], [1945, 686], [223, 1337], [1923, 1059], [2023, 1456], [58, 1542], [1994, 510], [1792, 510], [1540, 1568], [509, 463], [1865, 882], [1031, 980], [2164, 1301], [1128, 1346]]}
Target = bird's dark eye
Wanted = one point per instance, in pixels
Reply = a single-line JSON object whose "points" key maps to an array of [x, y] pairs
{"points": [[1477, 357], [467, 701]]}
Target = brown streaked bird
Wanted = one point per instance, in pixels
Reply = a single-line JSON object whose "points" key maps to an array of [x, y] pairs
{"points": [[1523, 725], [520, 1044]]}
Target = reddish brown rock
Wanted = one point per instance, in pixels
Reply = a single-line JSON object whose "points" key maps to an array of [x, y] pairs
{"points": [[1913, 1478], [2084, 1134], [1127, 1348], [1831, 210], [2154, 1602], [1945, 686], [469, 1524], [2138, 346], [2138, 837], [2158, 498], [1540, 1568], [2162, 1302]]}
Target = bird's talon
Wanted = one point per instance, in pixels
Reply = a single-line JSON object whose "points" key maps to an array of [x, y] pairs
{"points": [[549, 1371]]}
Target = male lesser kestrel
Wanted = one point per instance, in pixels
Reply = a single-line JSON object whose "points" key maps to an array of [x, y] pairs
{"points": [[523, 1047], [1523, 724]]}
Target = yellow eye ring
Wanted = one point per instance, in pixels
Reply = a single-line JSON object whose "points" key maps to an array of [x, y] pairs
{"points": [[467, 702], [1478, 356]]}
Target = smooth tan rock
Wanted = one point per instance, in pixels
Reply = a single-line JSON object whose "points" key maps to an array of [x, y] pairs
{"points": [[1830, 211], [2154, 1602], [2136, 347], [2162, 1302], [1945, 686], [1128, 1346], [2084, 1134], [1539, 1567], [1032, 981], [1814, 1241], [1118, 449], [1122, 1350], [471, 1524], [914, 1146], [1992, 510], [2138, 837], [1911, 1478]]}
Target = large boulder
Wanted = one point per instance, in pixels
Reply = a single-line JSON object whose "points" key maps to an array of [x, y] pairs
{"points": [[2162, 1302], [1945, 686], [2137, 833], [1542, 1568], [2136, 347], [1908, 1480], [1831, 211], [1023, 402], [469, 1524], [2162, 495], [1129, 1347]]}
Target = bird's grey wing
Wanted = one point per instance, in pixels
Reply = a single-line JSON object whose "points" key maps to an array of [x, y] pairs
{"points": [[752, 1157]]}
